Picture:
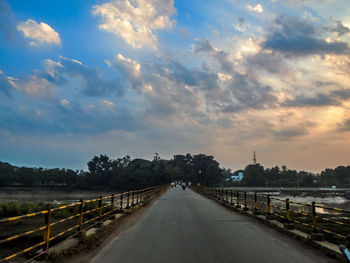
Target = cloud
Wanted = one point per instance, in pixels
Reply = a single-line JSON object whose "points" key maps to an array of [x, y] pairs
{"points": [[290, 132], [67, 73], [224, 77], [90, 80], [65, 103], [334, 97], [129, 68], [203, 46], [7, 20], [345, 126], [184, 32], [136, 21], [343, 94], [36, 86], [180, 74], [5, 85], [272, 62], [338, 28], [316, 101], [107, 104], [249, 93], [39, 33], [165, 71], [59, 119], [258, 8], [237, 91], [241, 26], [299, 37], [171, 92], [165, 86]]}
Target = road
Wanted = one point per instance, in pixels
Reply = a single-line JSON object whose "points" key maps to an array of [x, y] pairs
{"points": [[183, 226]]}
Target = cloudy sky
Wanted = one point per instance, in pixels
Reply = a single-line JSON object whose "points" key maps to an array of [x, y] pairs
{"points": [[86, 77]]}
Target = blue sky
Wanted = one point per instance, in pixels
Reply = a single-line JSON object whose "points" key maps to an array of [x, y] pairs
{"points": [[88, 77]]}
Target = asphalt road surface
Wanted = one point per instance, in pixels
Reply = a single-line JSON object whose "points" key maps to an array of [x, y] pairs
{"points": [[183, 226]]}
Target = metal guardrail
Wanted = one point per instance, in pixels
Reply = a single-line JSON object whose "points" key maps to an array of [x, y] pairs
{"points": [[102, 210], [282, 209]]}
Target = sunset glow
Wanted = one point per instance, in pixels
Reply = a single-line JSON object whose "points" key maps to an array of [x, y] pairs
{"points": [[81, 78]]}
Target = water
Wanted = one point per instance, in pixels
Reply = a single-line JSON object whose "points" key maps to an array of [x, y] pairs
{"points": [[329, 201], [328, 197], [47, 196], [60, 197]]}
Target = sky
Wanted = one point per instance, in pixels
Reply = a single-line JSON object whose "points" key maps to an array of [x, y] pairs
{"points": [[133, 77]]}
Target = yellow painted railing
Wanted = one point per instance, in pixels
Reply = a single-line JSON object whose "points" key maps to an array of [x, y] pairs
{"points": [[100, 209], [333, 222]]}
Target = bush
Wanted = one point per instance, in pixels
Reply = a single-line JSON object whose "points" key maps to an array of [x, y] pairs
{"points": [[9, 209]]}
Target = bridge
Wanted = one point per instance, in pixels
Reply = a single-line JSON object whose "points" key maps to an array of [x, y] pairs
{"points": [[185, 226], [309, 191]]}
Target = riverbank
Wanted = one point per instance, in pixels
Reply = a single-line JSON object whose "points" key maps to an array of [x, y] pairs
{"points": [[54, 195]]}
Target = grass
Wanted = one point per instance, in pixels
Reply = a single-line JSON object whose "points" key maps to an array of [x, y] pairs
{"points": [[10, 209], [9, 229]]}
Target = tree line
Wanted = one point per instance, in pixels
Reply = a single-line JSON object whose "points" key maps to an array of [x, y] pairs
{"points": [[257, 175], [105, 173]]}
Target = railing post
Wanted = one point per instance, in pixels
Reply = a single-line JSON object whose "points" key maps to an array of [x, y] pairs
{"points": [[100, 208], [237, 201], [128, 200], [47, 229], [268, 210], [245, 201], [132, 198], [112, 203], [81, 211], [137, 197], [287, 210], [255, 203], [231, 197], [121, 202], [226, 196], [315, 235], [314, 217], [288, 224]]}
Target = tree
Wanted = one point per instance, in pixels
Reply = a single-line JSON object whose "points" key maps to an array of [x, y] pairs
{"points": [[100, 164], [207, 170], [253, 175]]}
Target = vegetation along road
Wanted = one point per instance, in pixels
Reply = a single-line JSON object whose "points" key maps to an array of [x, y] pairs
{"points": [[183, 226]]}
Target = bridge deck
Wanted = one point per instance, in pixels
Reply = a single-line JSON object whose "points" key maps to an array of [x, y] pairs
{"points": [[183, 226]]}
